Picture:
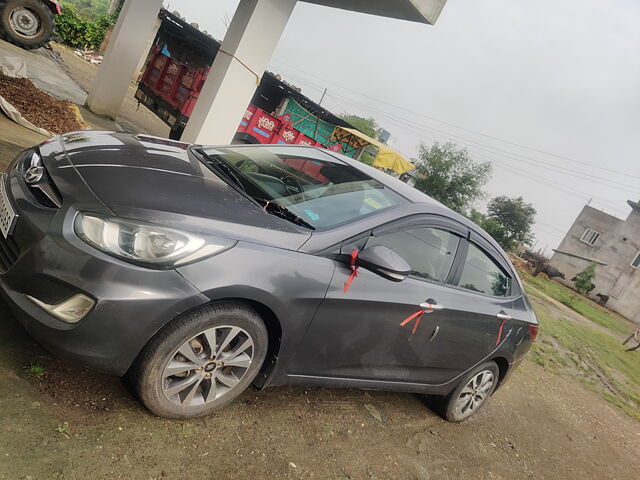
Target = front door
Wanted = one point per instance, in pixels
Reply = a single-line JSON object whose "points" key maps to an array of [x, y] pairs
{"points": [[357, 333]]}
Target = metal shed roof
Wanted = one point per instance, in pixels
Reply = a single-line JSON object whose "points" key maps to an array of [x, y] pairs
{"points": [[422, 11]]}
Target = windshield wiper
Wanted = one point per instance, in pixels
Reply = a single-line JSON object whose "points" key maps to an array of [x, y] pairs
{"points": [[281, 211], [221, 167], [269, 206]]}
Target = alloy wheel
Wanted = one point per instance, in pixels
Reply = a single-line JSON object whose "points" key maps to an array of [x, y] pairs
{"points": [[474, 394], [24, 22], [208, 366]]}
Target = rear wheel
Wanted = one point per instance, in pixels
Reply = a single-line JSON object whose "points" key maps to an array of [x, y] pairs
{"points": [[26, 23], [202, 361], [472, 393]]}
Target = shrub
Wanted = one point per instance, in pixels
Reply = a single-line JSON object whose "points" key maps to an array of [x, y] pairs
{"points": [[583, 280], [78, 32]]}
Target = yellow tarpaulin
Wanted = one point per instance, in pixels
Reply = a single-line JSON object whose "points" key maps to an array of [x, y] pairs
{"points": [[387, 157]]}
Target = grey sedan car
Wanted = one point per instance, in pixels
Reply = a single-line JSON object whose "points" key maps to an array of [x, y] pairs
{"points": [[197, 271]]}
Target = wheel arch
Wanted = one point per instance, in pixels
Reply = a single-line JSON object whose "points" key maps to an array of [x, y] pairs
{"points": [[274, 332], [268, 316], [503, 368]]}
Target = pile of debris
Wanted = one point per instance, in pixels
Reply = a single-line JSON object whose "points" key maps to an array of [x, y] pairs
{"points": [[38, 107], [90, 56]]}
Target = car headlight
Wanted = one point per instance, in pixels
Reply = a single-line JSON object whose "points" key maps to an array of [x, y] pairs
{"points": [[145, 243]]}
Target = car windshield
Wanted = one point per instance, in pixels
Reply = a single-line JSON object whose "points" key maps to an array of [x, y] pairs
{"points": [[320, 190]]}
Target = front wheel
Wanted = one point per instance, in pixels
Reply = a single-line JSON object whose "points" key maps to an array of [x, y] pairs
{"points": [[202, 361], [472, 393], [26, 23]]}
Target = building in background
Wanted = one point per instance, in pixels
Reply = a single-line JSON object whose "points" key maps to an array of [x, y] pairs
{"points": [[613, 245]]}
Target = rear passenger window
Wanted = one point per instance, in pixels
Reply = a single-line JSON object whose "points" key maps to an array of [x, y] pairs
{"points": [[429, 251], [481, 274]]}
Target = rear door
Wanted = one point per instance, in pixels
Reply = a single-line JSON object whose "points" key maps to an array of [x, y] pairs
{"points": [[483, 311]]}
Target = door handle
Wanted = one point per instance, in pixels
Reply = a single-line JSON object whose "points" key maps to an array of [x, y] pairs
{"points": [[435, 332], [503, 316], [430, 307]]}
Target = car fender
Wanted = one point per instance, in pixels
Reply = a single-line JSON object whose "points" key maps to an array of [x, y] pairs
{"points": [[290, 284], [250, 294]]}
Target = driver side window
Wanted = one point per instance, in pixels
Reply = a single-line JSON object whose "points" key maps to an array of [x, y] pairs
{"points": [[429, 251]]}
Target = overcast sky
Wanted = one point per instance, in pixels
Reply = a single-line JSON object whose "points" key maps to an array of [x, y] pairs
{"points": [[508, 79]]}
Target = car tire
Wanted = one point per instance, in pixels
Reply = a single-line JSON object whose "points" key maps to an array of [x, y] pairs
{"points": [[35, 11], [180, 375], [471, 394]]}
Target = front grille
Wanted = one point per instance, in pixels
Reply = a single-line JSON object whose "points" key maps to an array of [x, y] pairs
{"points": [[9, 253], [42, 190]]}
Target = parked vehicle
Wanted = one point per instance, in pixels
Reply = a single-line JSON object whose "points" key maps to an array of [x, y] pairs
{"points": [[28, 23], [175, 72], [197, 271]]}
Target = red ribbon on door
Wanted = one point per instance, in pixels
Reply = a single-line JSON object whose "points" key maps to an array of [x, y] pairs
{"points": [[500, 331], [418, 316], [354, 270]]}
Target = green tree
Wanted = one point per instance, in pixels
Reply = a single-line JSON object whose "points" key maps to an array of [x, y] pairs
{"points": [[516, 218], [368, 126], [448, 174], [584, 279], [78, 32], [492, 227]]}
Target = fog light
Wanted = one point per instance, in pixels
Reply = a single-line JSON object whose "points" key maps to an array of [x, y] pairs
{"points": [[71, 310]]}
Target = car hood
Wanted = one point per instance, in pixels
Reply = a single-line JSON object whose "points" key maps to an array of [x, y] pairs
{"points": [[159, 180]]}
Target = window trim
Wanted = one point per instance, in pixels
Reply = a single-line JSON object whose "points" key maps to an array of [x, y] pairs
{"points": [[511, 295], [588, 231], [492, 252], [453, 270], [467, 236], [420, 220], [636, 259]]}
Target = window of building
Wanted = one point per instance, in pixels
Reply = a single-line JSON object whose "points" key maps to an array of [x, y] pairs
{"points": [[429, 251], [590, 236], [636, 261], [481, 274]]}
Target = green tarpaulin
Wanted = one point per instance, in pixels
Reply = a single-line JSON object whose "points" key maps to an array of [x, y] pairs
{"points": [[307, 123]]}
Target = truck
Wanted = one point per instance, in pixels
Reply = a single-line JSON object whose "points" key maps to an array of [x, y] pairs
{"points": [[28, 23], [174, 73]]}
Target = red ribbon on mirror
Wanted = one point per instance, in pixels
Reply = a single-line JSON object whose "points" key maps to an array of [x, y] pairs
{"points": [[354, 270]]}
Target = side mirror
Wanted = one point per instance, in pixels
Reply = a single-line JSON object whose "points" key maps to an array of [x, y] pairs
{"points": [[385, 262]]}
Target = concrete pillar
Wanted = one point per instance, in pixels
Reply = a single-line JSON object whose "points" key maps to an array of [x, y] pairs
{"points": [[126, 47], [252, 37], [147, 48], [113, 6]]}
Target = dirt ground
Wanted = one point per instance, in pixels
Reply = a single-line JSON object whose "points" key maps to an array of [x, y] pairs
{"points": [[14, 138], [132, 117], [74, 423]]}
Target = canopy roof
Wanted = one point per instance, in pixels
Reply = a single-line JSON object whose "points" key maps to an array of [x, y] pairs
{"points": [[422, 11], [387, 157]]}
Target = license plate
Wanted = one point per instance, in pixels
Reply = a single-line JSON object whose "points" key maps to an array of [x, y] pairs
{"points": [[7, 213]]}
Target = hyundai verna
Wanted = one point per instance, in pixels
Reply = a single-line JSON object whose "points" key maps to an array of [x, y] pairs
{"points": [[197, 271]]}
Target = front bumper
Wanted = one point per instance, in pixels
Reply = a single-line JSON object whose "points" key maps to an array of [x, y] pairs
{"points": [[51, 264]]}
